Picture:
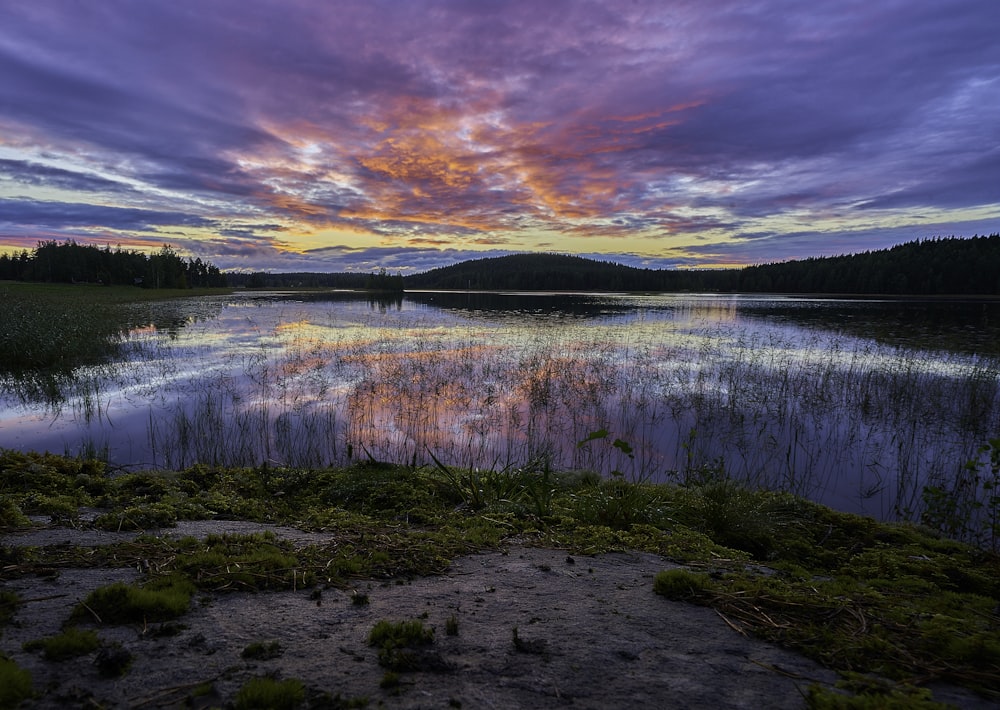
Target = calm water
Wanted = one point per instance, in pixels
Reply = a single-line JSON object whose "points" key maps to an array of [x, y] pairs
{"points": [[854, 403]]}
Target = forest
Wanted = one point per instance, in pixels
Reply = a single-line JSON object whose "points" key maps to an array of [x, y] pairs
{"points": [[69, 262], [951, 266], [379, 281], [926, 267]]}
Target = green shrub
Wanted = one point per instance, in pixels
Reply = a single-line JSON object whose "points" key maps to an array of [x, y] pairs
{"points": [[270, 694]]}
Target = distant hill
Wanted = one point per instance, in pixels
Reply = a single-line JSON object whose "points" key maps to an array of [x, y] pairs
{"points": [[553, 272], [944, 266]]}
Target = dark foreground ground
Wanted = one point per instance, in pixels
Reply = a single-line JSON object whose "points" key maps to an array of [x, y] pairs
{"points": [[590, 633]]}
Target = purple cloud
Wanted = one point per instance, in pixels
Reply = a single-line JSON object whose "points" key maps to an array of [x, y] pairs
{"points": [[474, 126]]}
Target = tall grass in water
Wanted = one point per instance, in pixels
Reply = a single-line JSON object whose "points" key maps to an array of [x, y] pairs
{"points": [[853, 424]]}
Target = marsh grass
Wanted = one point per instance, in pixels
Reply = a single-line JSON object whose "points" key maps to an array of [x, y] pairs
{"points": [[855, 423], [246, 562], [858, 424], [867, 598], [49, 331]]}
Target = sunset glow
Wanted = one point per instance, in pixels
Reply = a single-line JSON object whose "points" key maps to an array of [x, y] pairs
{"points": [[299, 135]]}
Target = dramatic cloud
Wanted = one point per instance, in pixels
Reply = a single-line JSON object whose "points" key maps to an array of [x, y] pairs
{"points": [[299, 134]]}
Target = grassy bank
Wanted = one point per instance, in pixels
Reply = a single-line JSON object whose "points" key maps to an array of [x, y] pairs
{"points": [[52, 328], [892, 608]]}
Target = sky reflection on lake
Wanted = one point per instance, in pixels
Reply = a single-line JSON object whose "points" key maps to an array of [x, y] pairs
{"points": [[830, 399]]}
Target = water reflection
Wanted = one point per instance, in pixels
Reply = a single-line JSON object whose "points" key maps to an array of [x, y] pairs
{"points": [[814, 397]]}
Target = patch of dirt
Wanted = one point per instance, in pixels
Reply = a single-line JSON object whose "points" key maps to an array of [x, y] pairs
{"points": [[590, 634]]}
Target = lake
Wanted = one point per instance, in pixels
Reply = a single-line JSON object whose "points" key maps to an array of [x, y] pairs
{"points": [[858, 404]]}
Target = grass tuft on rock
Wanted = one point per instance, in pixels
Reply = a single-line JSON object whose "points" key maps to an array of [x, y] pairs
{"points": [[71, 643], [399, 644], [162, 599], [681, 584]]}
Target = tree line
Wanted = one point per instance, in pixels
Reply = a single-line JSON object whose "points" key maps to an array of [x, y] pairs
{"points": [[926, 267], [379, 281], [69, 262]]}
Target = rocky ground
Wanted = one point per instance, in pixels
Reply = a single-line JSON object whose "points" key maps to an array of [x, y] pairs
{"points": [[590, 633]]}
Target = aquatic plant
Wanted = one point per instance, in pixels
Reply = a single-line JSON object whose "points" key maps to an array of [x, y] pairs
{"points": [[864, 424]]}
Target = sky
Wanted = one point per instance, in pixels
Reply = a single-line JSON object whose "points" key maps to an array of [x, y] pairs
{"points": [[343, 135]]}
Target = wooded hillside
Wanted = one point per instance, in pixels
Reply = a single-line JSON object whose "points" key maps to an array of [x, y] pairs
{"points": [[946, 266]]}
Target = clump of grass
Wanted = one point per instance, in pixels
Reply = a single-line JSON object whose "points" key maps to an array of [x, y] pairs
{"points": [[136, 517], [119, 603], [61, 509], [11, 515], [262, 651], [681, 584], [619, 504], [476, 489], [71, 643], [398, 643], [451, 626], [738, 517], [256, 562], [15, 684], [861, 692], [9, 602], [266, 693]]}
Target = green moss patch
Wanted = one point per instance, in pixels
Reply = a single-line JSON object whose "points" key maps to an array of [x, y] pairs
{"points": [[859, 596], [71, 643], [161, 600], [270, 694], [864, 597], [15, 684]]}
